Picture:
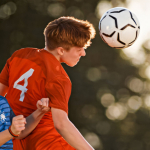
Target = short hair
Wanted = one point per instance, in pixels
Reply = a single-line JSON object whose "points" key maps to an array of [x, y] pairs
{"points": [[67, 32]]}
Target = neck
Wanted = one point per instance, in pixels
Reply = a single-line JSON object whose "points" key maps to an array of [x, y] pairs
{"points": [[54, 53]]}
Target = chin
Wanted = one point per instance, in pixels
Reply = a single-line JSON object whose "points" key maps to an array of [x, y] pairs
{"points": [[71, 65]]}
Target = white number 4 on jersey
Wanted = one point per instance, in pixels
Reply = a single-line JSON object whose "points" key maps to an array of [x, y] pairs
{"points": [[23, 88]]}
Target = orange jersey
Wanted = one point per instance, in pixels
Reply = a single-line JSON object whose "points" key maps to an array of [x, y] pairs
{"points": [[32, 74]]}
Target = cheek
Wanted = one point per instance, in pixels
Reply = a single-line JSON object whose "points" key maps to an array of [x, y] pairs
{"points": [[76, 55], [72, 56]]}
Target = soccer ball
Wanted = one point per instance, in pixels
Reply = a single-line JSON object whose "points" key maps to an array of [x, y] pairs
{"points": [[119, 27]]}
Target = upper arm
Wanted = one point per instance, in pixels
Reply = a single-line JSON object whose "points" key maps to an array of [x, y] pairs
{"points": [[59, 117], [3, 89], [58, 90]]}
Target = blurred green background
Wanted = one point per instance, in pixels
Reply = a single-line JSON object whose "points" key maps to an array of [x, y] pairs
{"points": [[110, 100]]}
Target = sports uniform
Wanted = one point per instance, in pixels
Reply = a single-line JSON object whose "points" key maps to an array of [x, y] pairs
{"points": [[32, 74], [6, 115]]}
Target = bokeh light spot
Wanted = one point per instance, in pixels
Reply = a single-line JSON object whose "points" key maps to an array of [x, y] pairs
{"points": [[93, 74], [56, 10], [102, 7], [75, 12], [7, 9], [147, 100], [93, 139], [134, 103], [147, 72], [117, 111], [107, 99], [135, 84]]}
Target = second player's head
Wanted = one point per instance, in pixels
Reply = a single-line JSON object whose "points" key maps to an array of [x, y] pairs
{"points": [[68, 32]]}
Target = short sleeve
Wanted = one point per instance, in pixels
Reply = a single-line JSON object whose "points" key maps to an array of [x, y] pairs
{"points": [[4, 75], [59, 91], [12, 115]]}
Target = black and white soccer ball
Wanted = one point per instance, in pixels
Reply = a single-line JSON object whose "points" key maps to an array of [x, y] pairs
{"points": [[119, 27]]}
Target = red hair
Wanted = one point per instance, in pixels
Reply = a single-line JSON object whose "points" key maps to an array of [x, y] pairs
{"points": [[67, 32]]}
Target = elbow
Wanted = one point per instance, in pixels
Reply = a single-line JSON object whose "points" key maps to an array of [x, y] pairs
{"points": [[58, 127], [60, 119]]}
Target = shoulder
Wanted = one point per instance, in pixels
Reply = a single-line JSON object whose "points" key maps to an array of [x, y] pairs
{"points": [[60, 81], [62, 78], [23, 51], [56, 73]]}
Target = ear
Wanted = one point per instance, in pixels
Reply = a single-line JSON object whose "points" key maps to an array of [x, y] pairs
{"points": [[60, 51]]}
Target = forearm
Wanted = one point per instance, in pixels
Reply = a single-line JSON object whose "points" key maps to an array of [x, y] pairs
{"points": [[32, 122], [4, 137], [70, 133]]}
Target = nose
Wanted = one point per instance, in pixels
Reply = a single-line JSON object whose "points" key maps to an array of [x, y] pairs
{"points": [[83, 53]]}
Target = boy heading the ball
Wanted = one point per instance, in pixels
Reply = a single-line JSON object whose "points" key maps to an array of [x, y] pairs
{"points": [[32, 73]]}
